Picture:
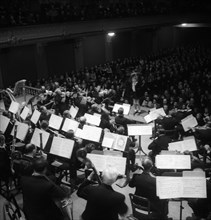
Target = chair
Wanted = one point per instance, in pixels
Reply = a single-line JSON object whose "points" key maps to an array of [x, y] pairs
{"points": [[140, 207], [12, 210]]}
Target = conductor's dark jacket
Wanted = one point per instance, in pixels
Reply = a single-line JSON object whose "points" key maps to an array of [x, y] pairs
{"points": [[39, 196], [103, 202]]}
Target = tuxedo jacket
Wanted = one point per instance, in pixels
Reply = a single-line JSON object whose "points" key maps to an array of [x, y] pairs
{"points": [[145, 186], [39, 196], [102, 202]]}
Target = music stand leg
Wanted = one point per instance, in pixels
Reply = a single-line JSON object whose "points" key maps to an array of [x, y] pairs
{"points": [[181, 208]]}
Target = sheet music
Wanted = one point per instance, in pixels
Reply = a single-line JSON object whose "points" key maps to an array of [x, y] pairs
{"points": [[4, 123], [193, 173], [181, 187], [35, 116], [125, 107], [92, 133], [14, 107], [2, 106], [55, 121], [120, 142], [184, 145], [92, 119], [103, 161], [97, 115], [62, 147], [168, 187], [189, 122], [73, 111], [173, 161], [70, 124], [148, 118], [24, 113], [154, 114], [79, 133], [107, 142], [36, 137], [56, 163], [139, 129], [22, 130], [118, 162], [194, 187], [98, 160]]}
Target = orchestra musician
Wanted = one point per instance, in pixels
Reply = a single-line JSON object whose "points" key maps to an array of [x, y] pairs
{"points": [[145, 184], [40, 194], [5, 163], [103, 202]]}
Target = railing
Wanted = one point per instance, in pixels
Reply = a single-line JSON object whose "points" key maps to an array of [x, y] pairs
{"points": [[27, 90]]}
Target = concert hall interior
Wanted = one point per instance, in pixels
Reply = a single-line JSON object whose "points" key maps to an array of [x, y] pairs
{"points": [[105, 110]]}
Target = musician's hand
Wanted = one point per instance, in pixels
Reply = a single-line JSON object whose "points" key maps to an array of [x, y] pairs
{"points": [[91, 175]]}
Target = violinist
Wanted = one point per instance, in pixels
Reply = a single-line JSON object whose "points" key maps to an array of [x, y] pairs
{"points": [[103, 202], [145, 184]]}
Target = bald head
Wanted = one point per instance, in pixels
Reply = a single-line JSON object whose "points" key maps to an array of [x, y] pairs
{"points": [[147, 164]]}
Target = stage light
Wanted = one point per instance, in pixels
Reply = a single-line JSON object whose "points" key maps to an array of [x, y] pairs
{"points": [[111, 34]]}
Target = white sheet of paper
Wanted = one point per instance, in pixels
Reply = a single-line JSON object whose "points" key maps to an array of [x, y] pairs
{"points": [[125, 107], [35, 116], [193, 173], [92, 133], [120, 142], [36, 137], [118, 162], [194, 187], [137, 129], [173, 161], [22, 130], [79, 133], [98, 160], [92, 119], [154, 114], [103, 161], [97, 115], [56, 163], [70, 124], [24, 113], [181, 146], [4, 121], [181, 187], [73, 111], [189, 122], [62, 147], [14, 107], [107, 142], [2, 106], [169, 187], [55, 121], [148, 118]]}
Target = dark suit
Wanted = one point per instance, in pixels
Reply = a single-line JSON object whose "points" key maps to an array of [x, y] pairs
{"points": [[5, 168], [146, 187], [39, 194], [121, 120], [103, 203]]}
